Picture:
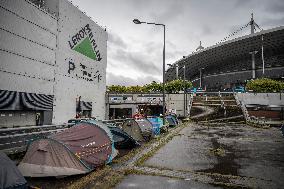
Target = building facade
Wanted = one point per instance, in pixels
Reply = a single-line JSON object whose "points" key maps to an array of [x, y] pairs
{"points": [[53, 62], [126, 105]]}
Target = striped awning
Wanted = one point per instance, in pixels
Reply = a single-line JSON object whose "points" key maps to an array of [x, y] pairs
{"points": [[84, 106], [14, 100]]}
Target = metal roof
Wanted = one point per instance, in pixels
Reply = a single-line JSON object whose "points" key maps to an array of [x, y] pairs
{"points": [[234, 49]]}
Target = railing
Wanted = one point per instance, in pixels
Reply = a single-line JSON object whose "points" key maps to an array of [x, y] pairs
{"points": [[190, 104], [14, 140], [244, 110], [223, 104], [115, 122]]}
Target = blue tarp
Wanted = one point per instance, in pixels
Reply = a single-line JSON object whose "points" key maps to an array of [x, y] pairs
{"points": [[157, 123], [172, 120]]}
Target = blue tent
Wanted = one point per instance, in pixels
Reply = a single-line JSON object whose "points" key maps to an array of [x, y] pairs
{"points": [[172, 120], [157, 123]]}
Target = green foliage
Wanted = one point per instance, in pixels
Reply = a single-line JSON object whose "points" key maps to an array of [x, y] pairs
{"points": [[177, 85], [153, 87], [135, 89], [117, 89], [171, 87], [265, 85]]}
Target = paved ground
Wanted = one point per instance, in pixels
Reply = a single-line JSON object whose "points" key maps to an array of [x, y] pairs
{"points": [[203, 156], [158, 182]]}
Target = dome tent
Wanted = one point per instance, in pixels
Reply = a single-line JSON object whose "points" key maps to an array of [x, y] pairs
{"points": [[139, 129], [156, 125], [76, 150], [172, 120], [10, 176], [157, 122], [121, 139]]}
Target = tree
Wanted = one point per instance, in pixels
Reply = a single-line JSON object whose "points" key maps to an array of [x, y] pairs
{"points": [[153, 87], [177, 85], [265, 85]]}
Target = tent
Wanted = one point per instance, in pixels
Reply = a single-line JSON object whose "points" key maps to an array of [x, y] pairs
{"points": [[175, 117], [139, 129], [157, 122], [172, 120], [10, 176], [121, 139], [76, 150], [156, 125]]}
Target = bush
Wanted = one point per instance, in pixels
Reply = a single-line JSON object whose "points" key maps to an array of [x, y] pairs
{"points": [[177, 85], [171, 87], [265, 85]]}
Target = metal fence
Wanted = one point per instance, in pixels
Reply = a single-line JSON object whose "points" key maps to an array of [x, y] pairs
{"points": [[15, 140]]}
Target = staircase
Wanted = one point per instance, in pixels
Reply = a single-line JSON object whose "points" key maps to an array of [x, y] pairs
{"points": [[216, 107]]}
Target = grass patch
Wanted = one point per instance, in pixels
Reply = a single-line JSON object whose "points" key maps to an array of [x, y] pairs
{"points": [[129, 155], [217, 152], [258, 125], [102, 178]]}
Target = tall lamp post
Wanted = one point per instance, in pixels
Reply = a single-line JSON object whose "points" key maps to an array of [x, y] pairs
{"points": [[136, 21], [174, 66], [184, 92], [200, 79]]}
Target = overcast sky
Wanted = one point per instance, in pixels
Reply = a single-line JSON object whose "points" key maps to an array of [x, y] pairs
{"points": [[135, 51]]}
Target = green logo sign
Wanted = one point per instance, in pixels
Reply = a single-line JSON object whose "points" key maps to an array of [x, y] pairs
{"points": [[83, 42]]}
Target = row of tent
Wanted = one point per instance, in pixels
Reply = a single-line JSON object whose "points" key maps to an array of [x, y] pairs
{"points": [[85, 146]]}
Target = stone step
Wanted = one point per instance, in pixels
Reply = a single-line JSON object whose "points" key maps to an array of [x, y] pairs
{"points": [[203, 104]]}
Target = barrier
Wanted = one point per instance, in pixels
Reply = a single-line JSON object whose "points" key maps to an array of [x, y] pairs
{"points": [[15, 140]]}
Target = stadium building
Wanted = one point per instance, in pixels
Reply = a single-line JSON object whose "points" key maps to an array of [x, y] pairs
{"points": [[231, 62], [53, 60]]}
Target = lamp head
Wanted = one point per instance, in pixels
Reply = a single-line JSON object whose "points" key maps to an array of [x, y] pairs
{"points": [[136, 21]]}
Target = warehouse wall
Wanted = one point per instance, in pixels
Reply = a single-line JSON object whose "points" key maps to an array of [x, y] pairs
{"points": [[27, 52], [78, 74], [174, 102], [27, 47], [261, 98], [37, 57]]}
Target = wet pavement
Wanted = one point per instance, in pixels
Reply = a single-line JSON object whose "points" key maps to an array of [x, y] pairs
{"points": [[234, 155], [158, 182]]}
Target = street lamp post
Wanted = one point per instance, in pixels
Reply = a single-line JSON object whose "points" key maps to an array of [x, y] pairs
{"points": [[174, 66], [200, 79], [184, 93], [177, 71], [136, 21]]}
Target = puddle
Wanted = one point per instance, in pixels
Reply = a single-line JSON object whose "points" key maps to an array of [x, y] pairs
{"points": [[226, 161]]}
